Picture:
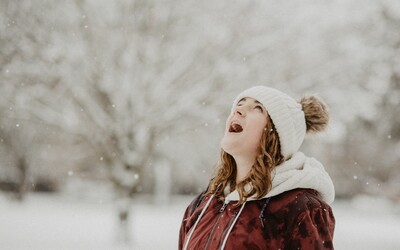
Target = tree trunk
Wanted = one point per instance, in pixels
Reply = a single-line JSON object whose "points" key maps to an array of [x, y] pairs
{"points": [[123, 227], [22, 170]]}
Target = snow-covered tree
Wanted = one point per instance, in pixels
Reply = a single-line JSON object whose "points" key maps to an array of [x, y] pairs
{"points": [[137, 92], [119, 82]]}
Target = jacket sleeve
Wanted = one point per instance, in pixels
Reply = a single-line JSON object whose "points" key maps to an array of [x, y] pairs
{"points": [[186, 216], [182, 231], [313, 230]]}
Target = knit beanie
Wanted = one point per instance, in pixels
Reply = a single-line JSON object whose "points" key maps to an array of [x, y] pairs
{"points": [[288, 116]]}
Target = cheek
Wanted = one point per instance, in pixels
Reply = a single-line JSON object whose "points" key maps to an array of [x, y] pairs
{"points": [[256, 135], [257, 129]]}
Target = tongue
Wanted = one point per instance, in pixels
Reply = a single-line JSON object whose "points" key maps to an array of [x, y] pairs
{"points": [[237, 128]]}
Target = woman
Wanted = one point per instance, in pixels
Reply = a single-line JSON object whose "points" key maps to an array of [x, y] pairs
{"points": [[265, 193]]}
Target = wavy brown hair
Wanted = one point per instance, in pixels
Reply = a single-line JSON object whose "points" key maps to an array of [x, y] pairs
{"points": [[268, 157]]}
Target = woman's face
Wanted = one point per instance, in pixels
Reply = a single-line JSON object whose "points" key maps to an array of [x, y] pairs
{"points": [[244, 128]]}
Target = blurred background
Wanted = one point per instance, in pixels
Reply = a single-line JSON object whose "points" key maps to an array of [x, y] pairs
{"points": [[111, 112]]}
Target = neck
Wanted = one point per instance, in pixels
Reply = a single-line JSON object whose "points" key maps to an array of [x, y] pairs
{"points": [[243, 166]]}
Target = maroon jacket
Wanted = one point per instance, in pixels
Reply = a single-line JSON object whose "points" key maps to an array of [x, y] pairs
{"points": [[296, 219]]}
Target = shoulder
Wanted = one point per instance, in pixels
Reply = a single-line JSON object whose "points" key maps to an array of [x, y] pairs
{"points": [[195, 203], [299, 199], [195, 207], [294, 205], [312, 223]]}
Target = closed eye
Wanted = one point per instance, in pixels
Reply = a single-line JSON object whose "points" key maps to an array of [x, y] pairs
{"points": [[259, 107], [241, 101]]}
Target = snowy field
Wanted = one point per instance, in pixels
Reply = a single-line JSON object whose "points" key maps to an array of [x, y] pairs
{"points": [[56, 222]]}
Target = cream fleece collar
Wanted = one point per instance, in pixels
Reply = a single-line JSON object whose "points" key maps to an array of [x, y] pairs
{"points": [[299, 171]]}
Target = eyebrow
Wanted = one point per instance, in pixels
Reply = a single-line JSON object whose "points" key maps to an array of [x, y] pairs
{"points": [[245, 98]]}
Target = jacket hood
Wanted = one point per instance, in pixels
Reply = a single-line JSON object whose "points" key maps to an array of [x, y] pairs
{"points": [[299, 171]]}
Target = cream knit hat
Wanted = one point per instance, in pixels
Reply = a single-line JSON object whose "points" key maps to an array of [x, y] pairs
{"points": [[286, 114]]}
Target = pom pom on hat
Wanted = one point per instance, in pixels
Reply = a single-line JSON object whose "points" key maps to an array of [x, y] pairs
{"points": [[316, 114], [288, 117]]}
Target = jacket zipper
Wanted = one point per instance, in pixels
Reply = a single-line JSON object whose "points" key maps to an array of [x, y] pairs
{"points": [[223, 207], [216, 223]]}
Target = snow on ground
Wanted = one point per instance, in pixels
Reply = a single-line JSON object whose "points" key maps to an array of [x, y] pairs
{"points": [[367, 223], [57, 222]]}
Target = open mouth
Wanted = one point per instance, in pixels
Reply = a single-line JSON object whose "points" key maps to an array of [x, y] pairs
{"points": [[235, 128]]}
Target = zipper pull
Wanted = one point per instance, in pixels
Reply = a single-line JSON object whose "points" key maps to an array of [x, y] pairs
{"points": [[223, 207]]}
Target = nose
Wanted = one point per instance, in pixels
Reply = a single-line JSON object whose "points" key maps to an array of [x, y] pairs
{"points": [[240, 111]]}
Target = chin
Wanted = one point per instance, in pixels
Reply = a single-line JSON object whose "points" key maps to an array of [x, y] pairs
{"points": [[229, 146]]}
